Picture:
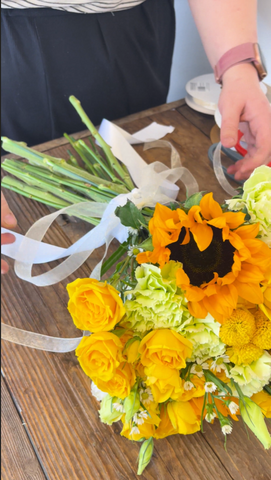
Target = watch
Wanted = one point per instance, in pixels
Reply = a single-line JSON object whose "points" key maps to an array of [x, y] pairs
{"points": [[244, 53]]}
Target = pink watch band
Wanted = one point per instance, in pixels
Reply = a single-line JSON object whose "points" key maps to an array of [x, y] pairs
{"points": [[244, 53]]}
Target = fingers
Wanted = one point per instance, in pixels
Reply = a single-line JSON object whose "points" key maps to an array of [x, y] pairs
{"points": [[7, 238], [4, 267], [8, 220], [229, 124]]}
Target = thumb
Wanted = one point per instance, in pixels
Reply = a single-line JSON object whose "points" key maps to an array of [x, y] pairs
{"points": [[229, 125]]}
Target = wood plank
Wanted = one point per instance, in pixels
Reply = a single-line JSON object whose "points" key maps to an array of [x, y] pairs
{"points": [[19, 461], [202, 121]]}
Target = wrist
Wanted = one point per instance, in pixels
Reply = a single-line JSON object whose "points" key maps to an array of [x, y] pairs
{"points": [[243, 71]]}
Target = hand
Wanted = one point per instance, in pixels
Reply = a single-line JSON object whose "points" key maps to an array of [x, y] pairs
{"points": [[7, 221], [244, 106]]}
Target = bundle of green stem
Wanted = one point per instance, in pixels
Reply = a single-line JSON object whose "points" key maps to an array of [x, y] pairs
{"points": [[60, 183]]}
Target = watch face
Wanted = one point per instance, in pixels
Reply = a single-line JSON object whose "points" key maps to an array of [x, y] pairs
{"points": [[259, 61]]}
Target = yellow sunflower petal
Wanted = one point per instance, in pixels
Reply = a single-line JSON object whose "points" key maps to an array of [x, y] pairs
{"points": [[203, 235], [250, 292], [248, 231], [250, 273], [197, 309], [209, 207], [235, 219], [182, 278]]}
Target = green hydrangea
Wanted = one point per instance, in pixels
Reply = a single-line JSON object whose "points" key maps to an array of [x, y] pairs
{"points": [[204, 335], [257, 200], [252, 378], [156, 302]]}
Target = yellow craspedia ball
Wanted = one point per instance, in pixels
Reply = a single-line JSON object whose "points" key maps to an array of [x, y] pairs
{"points": [[238, 329], [245, 354], [262, 337]]}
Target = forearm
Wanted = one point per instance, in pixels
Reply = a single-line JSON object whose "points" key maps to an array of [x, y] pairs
{"points": [[223, 24]]}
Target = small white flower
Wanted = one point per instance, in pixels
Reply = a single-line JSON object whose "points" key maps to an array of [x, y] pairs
{"points": [[146, 396], [118, 406], [204, 365], [134, 431], [233, 408], [138, 418], [226, 429], [97, 393], [219, 364], [209, 387], [197, 370], [210, 416], [188, 385]]}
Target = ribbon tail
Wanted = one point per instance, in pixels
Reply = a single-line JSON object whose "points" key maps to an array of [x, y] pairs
{"points": [[39, 341]]}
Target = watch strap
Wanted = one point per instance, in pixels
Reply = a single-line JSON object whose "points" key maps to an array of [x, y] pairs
{"points": [[243, 53]]}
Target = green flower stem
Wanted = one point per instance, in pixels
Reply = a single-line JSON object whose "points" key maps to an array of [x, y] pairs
{"points": [[72, 160], [33, 193], [60, 166], [99, 160], [77, 148], [41, 196], [106, 148], [18, 168], [63, 169], [122, 249]]}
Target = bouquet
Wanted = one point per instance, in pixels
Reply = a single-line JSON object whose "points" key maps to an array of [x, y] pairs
{"points": [[180, 333]]}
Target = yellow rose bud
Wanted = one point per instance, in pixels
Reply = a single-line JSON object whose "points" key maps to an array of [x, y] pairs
{"points": [[263, 399], [100, 355], [120, 385], [165, 427], [94, 306], [162, 351], [131, 350], [183, 417]]}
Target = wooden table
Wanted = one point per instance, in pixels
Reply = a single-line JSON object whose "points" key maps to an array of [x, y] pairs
{"points": [[50, 423]]}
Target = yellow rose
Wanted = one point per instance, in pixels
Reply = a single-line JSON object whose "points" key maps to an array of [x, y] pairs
{"points": [[183, 417], [120, 384], [165, 427], [163, 389], [162, 351], [94, 306], [263, 399], [196, 391], [100, 355]]}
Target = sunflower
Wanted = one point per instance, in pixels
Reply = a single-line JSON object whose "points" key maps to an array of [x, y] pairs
{"points": [[220, 256]]}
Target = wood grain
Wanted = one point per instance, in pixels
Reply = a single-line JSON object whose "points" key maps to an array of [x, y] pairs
{"points": [[55, 394], [19, 461]]}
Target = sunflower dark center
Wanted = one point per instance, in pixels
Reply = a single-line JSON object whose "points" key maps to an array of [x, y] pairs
{"points": [[201, 266]]}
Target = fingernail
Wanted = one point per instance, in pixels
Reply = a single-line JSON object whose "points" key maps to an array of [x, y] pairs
{"points": [[10, 219]]}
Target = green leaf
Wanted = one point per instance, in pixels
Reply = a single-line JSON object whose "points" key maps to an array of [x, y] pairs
{"points": [[130, 342], [119, 332], [193, 200], [130, 215]]}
